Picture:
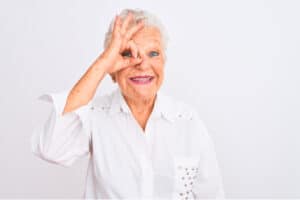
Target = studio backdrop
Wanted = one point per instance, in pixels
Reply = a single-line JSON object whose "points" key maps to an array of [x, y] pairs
{"points": [[236, 61]]}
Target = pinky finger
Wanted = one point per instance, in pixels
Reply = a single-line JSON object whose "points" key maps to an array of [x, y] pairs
{"points": [[117, 24]]}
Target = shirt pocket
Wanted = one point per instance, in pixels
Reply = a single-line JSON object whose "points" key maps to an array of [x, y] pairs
{"points": [[186, 171]]}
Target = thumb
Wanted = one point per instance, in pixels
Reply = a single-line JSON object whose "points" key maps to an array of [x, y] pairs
{"points": [[132, 62]]}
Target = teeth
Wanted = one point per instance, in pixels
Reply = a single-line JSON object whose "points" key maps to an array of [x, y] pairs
{"points": [[141, 79]]}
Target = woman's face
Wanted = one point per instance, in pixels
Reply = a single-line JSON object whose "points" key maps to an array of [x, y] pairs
{"points": [[142, 81]]}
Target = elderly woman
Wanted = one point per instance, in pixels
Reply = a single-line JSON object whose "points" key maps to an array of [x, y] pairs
{"points": [[141, 143]]}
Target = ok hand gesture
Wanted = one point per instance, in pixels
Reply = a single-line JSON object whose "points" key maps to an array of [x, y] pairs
{"points": [[122, 52]]}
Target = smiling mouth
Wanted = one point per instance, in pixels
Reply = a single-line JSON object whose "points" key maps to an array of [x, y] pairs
{"points": [[141, 79]]}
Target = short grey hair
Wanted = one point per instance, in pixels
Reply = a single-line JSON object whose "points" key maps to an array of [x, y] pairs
{"points": [[149, 19]]}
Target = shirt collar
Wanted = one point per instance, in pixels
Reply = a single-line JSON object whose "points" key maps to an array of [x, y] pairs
{"points": [[162, 106]]}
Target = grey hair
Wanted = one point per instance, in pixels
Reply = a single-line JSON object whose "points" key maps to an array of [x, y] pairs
{"points": [[149, 19]]}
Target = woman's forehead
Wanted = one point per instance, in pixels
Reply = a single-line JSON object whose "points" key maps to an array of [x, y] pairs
{"points": [[148, 35]]}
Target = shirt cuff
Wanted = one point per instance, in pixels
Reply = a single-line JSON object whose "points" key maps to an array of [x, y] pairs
{"points": [[59, 100]]}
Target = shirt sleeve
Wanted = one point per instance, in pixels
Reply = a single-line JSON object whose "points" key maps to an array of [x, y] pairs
{"points": [[209, 183], [62, 139]]}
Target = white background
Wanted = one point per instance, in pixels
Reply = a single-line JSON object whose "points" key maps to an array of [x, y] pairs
{"points": [[236, 61]]}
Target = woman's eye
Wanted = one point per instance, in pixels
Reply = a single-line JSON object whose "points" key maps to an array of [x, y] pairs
{"points": [[153, 53], [126, 54]]}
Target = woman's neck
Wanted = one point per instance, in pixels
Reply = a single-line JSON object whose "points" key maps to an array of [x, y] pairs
{"points": [[141, 109]]}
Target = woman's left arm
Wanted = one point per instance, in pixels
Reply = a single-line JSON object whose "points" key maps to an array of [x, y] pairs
{"points": [[209, 183]]}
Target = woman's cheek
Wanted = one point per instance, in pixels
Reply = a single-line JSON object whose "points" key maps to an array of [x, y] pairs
{"points": [[158, 64]]}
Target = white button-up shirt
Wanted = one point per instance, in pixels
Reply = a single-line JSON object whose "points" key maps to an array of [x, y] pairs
{"points": [[174, 158]]}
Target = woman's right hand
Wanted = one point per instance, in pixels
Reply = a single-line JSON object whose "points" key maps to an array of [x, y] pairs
{"points": [[110, 61], [122, 52]]}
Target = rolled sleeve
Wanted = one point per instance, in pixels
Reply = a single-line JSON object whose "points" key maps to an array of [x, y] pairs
{"points": [[62, 139]]}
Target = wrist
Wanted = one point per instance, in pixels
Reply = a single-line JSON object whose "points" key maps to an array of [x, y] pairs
{"points": [[104, 62]]}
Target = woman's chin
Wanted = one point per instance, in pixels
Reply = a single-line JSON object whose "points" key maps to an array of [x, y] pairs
{"points": [[144, 94]]}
